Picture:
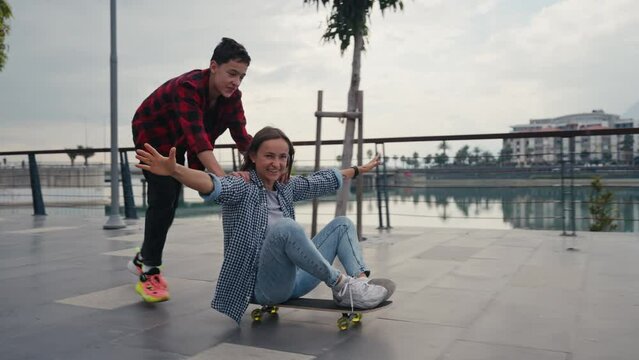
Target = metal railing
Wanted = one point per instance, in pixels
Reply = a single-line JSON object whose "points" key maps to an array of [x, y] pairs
{"points": [[568, 167]]}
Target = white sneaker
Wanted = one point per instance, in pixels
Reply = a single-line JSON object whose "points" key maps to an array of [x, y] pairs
{"points": [[386, 283], [358, 294]]}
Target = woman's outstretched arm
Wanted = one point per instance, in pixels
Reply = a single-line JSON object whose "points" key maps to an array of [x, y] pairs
{"points": [[158, 164], [351, 172]]}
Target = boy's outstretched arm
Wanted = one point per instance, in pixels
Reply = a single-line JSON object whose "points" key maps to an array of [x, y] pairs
{"points": [[158, 164]]}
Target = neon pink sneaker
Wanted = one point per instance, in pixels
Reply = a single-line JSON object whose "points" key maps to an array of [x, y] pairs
{"points": [[152, 287]]}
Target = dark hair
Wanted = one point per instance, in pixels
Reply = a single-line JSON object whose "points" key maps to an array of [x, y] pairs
{"points": [[267, 133], [229, 49]]}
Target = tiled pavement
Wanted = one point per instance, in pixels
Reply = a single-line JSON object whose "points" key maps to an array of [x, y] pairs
{"points": [[462, 294]]}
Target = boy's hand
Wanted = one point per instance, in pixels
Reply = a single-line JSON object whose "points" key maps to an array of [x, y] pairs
{"points": [[153, 161], [243, 174]]}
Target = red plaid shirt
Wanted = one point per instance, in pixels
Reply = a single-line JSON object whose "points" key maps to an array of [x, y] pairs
{"points": [[177, 114]]}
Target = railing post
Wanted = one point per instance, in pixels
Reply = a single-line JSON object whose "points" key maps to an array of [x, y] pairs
{"points": [[563, 187], [318, 144], [571, 146], [378, 191], [36, 189], [127, 188], [385, 187], [233, 157], [143, 181]]}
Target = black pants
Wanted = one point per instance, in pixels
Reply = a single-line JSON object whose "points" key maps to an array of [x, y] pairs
{"points": [[163, 195]]}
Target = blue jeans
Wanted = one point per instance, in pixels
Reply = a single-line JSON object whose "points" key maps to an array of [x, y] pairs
{"points": [[291, 265]]}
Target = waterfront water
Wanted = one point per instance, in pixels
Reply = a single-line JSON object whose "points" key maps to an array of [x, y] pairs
{"points": [[487, 208]]}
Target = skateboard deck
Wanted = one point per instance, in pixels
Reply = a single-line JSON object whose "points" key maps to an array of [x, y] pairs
{"points": [[349, 316]]}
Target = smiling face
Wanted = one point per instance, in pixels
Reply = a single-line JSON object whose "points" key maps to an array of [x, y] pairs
{"points": [[271, 160], [226, 78]]}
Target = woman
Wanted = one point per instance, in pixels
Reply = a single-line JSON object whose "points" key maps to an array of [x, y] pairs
{"points": [[268, 259]]}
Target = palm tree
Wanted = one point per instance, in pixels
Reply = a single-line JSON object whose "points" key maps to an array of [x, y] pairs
{"points": [[476, 151], [5, 15], [72, 155], [86, 153], [348, 19], [427, 159], [443, 147], [462, 156], [416, 159]]}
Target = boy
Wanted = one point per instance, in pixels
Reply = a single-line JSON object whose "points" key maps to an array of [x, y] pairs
{"points": [[188, 112]]}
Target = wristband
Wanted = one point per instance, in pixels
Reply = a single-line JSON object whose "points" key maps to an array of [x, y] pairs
{"points": [[356, 169]]}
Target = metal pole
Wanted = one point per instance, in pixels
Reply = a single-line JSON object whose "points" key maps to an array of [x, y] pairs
{"points": [[36, 189], [360, 150], [114, 221], [572, 185], [385, 177], [130, 211], [318, 143], [378, 191], [563, 188], [233, 157]]}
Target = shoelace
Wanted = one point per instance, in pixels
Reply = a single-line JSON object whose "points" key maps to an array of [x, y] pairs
{"points": [[350, 293]]}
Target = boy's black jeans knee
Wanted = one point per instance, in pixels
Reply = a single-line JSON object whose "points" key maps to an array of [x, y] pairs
{"points": [[163, 195]]}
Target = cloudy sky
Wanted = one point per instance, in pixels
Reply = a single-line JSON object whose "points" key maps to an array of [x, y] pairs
{"points": [[437, 68]]}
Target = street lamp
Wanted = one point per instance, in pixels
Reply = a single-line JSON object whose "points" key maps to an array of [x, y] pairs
{"points": [[114, 221]]}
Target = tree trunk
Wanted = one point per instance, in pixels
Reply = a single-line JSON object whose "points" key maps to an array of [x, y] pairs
{"points": [[347, 152]]}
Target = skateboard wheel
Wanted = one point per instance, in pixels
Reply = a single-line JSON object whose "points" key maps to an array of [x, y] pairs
{"points": [[342, 323], [357, 317], [256, 314], [273, 310]]}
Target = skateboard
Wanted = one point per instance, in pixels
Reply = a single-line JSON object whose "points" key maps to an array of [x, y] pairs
{"points": [[349, 317]]}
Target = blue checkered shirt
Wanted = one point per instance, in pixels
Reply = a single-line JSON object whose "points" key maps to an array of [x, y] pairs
{"points": [[245, 218]]}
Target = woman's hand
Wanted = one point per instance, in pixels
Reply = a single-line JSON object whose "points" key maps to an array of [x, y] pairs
{"points": [[370, 165], [155, 162]]}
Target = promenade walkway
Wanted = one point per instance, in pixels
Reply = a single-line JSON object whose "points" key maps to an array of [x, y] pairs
{"points": [[462, 294]]}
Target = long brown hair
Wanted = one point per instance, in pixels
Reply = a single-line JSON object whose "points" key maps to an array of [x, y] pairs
{"points": [[267, 133]]}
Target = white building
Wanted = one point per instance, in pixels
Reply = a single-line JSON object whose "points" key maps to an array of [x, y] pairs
{"points": [[588, 149]]}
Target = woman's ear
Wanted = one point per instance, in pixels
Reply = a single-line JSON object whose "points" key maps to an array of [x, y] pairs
{"points": [[252, 155]]}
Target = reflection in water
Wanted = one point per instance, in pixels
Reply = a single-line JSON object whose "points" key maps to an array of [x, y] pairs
{"points": [[528, 208], [490, 208]]}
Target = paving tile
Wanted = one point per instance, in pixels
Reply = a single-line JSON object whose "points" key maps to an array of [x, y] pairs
{"points": [[234, 352], [125, 295], [528, 317], [391, 339], [478, 274], [450, 307], [444, 252], [468, 350]]}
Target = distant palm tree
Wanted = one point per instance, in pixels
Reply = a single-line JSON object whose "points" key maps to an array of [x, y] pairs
{"points": [[443, 147], [476, 151], [5, 15], [86, 153], [72, 155]]}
